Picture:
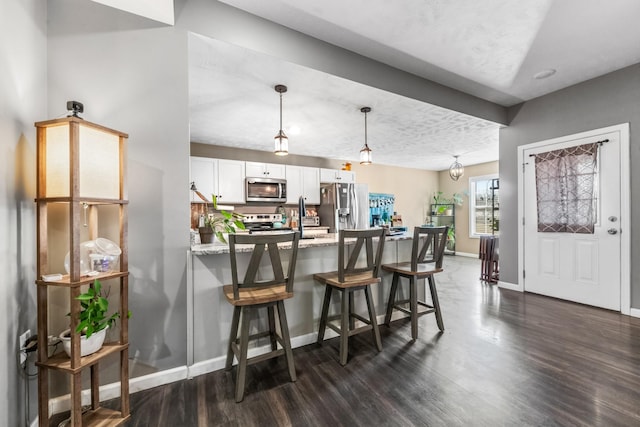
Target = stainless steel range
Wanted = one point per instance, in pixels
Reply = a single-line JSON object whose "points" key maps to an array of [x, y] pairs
{"points": [[263, 223]]}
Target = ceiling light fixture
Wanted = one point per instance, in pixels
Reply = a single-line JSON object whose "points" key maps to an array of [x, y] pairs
{"points": [[456, 170], [365, 153], [544, 74], [281, 140]]}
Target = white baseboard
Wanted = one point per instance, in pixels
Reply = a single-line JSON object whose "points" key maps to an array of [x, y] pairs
{"points": [[634, 312], [466, 254], [510, 286], [111, 391]]}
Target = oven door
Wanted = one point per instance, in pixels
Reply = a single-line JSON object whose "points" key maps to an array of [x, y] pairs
{"points": [[266, 190]]}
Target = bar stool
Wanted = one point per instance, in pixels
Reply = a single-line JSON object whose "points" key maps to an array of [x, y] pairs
{"points": [[428, 248], [350, 277], [252, 294]]}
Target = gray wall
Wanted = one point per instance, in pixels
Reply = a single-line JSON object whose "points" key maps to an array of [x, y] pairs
{"points": [[131, 75], [608, 100], [23, 101]]}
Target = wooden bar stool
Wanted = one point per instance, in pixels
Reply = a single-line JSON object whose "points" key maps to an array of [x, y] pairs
{"points": [[252, 294], [350, 277], [426, 260]]}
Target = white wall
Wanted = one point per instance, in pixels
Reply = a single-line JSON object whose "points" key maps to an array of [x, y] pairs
{"points": [[131, 75], [605, 101], [23, 101]]}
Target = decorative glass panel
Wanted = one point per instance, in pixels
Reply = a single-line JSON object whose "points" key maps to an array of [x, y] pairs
{"points": [[566, 189]]}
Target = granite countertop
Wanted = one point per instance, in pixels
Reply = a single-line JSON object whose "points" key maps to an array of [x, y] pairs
{"points": [[331, 239]]}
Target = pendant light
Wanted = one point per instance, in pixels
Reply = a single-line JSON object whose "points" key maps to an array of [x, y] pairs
{"points": [[456, 170], [365, 153], [281, 140]]}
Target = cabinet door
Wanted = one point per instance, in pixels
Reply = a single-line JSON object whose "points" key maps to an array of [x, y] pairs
{"points": [[346, 176], [311, 185], [328, 175], [255, 170], [276, 171], [295, 186], [265, 170], [202, 173], [231, 174]]}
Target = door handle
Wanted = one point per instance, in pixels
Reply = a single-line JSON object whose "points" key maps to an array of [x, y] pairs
{"points": [[612, 231]]}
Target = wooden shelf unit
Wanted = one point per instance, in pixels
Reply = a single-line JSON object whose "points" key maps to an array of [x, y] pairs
{"points": [[83, 157]]}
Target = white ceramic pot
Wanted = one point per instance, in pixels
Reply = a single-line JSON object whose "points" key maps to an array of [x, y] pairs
{"points": [[87, 346]]}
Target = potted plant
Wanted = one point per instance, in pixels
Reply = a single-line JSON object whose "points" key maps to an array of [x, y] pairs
{"points": [[226, 222], [451, 238], [93, 322]]}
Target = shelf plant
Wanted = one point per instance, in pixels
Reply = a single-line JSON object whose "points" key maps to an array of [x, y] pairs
{"points": [[94, 306]]}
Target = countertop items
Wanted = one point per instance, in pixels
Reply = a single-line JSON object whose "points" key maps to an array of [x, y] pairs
{"points": [[330, 239]]}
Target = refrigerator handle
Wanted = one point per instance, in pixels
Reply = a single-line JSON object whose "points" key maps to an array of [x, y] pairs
{"points": [[354, 205]]}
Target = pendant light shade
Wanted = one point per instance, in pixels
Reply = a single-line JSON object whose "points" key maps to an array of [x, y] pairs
{"points": [[281, 142], [365, 154], [456, 170]]}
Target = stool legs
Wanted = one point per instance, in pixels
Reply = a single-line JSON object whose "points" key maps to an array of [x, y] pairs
{"points": [[414, 302], [272, 327], [413, 307], [436, 303], [344, 328], [325, 313], [392, 298], [232, 337], [242, 359], [347, 318], [372, 316], [286, 341]]}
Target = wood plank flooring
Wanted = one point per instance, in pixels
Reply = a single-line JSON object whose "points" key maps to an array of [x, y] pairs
{"points": [[505, 359]]}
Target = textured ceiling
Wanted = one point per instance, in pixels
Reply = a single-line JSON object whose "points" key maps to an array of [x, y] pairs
{"points": [[233, 103], [488, 48]]}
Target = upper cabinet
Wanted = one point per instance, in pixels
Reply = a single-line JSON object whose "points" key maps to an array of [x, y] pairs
{"points": [[303, 181], [224, 178], [265, 170], [334, 175]]}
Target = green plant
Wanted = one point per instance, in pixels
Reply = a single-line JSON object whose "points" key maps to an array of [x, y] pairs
{"points": [[226, 222], [94, 306], [451, 237]]}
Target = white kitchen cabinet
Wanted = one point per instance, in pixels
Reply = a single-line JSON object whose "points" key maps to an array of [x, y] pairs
{"points": [[303, 181], [334, 175], [224, 178], [265, 170]]}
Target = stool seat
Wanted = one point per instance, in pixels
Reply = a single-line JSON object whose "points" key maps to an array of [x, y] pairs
{"points": [[404, 268], [426, 260], [332, 278], [255, 296]]}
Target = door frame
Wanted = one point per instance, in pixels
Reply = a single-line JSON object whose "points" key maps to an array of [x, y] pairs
{"points": [[625, 206]]}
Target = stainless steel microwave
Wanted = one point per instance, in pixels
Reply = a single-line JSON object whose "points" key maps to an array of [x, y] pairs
{"points": [[266, 190]]}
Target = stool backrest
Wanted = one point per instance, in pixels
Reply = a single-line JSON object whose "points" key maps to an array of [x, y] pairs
{"points": [[267, 243], [348, 263], [428, 246]]}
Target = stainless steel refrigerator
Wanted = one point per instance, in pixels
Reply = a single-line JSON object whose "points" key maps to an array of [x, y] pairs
{"points": [[344, 206]]}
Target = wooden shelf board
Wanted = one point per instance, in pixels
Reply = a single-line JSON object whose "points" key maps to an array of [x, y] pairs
{"points": [[66, 282], [80, 199], [62, 362], [103, 417]]}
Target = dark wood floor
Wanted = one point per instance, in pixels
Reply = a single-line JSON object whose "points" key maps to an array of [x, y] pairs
{"points": [[505, 359]]}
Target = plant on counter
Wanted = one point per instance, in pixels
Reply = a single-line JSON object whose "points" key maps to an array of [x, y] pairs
{"points": [[226, 222]]}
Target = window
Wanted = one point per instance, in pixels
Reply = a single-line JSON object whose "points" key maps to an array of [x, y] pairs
{"points": [[484, 205]]}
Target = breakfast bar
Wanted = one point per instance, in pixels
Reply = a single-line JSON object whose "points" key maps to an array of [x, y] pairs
{"points": [[210, 315]]}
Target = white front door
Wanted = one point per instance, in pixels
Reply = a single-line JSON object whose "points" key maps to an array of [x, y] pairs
{"points": [[584, 268]]}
